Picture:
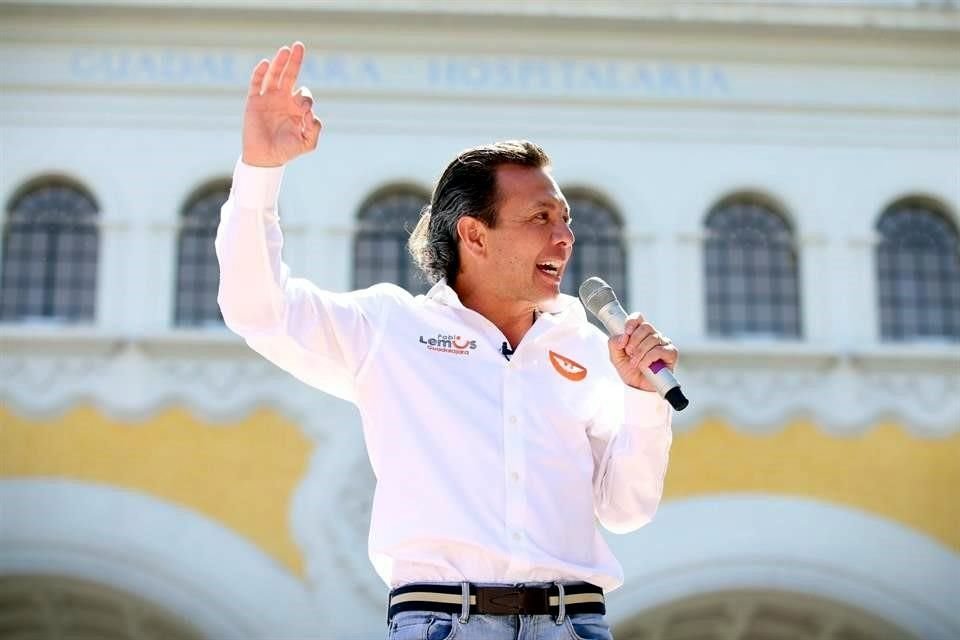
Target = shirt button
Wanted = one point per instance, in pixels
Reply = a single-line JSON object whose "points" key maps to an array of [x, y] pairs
{"points": [[514, 476], [518, 535], [513, 419]]}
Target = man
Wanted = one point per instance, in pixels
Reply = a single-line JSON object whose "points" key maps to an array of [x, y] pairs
{"points": [[499, 422]]}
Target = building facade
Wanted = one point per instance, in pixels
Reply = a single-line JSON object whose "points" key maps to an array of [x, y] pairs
{"points": [[777, 185]]}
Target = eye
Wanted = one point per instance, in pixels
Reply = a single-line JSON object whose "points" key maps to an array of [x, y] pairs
{"points": [[542, 216]]}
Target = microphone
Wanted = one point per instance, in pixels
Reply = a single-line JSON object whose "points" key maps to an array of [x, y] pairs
{"points": [[506, 351], [600, 300]]}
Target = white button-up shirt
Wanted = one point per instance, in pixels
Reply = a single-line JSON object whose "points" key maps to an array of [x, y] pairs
{"points": [[488, 469]]}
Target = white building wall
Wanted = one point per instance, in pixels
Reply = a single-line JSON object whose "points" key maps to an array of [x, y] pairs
{"points": [[663, 110]]}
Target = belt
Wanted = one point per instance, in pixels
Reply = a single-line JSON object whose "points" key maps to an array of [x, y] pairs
{"points": [[575, 597]]}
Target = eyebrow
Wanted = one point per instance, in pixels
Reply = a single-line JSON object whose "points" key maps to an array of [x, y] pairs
{"points": [[551, 204]]}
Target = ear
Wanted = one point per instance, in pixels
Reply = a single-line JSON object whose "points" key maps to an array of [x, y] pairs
{"points": [[472, 235]]}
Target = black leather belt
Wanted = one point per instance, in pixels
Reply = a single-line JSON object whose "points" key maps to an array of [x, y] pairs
{"points": [[578, 597]]}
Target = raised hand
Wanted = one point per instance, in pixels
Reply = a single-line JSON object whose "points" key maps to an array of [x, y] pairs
{"points": [[278, 123]]}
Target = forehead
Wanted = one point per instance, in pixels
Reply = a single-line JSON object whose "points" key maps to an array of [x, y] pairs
{"points": [[517, 184]]}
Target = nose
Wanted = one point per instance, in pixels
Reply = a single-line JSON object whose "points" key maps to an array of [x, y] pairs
{"points": [[563, 235]]}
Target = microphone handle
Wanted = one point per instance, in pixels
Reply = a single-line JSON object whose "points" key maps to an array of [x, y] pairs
{"points": [[614, 319]]}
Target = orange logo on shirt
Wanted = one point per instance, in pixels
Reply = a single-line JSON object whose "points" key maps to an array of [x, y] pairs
{"points": [[566, 367]]}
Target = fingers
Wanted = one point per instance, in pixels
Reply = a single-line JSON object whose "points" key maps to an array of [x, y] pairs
{"points": [[641, 341], [643, 345], [256, 79], [311, 130], [653, 349], [277, 65], [305, 98], [292, 68], [279, 73], [634, 322], [310, 124]]}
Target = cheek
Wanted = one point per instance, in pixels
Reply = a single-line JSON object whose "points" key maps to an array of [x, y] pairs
{"points": [[518, 265], [508, 258], [519, 255]]}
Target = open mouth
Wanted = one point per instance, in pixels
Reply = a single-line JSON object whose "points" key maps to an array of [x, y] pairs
{"points": [[550, 268]]}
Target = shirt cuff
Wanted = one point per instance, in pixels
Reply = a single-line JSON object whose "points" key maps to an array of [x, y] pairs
{"points": [[256, 187], [646, 409]]}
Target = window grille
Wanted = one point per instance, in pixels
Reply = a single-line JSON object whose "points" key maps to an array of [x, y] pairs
{"points": [[751, 263], [918, 273], [198, 273], [599, 249], [50, 253], [380, 246]]}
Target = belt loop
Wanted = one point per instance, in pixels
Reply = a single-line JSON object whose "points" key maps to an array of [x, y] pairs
{"points": [[465, 602], [562, 613]]}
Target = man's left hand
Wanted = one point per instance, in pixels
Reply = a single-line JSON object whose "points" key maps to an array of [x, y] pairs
{"points": [[639, 346]]}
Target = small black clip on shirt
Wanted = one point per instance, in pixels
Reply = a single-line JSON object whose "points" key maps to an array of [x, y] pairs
{"points": [[506, 351]]}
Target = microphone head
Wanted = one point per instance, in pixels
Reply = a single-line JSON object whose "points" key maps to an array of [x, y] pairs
{"points": [[595, 294]]}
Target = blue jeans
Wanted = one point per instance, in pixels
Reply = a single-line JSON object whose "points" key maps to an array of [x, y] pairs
{"points": [[427, 625]]}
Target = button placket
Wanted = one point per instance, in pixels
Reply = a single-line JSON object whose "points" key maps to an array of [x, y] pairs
{"points": [[513, 441]]}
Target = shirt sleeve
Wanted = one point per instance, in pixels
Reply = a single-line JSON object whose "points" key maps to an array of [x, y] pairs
{"points": [[320, 337], [631, 441]]}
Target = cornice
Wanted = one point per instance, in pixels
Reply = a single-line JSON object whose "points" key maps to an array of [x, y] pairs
{"points": [[876, 16], [758, 387], [747, 32]]}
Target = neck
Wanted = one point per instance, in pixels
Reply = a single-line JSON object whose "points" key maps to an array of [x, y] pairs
{"points": [[513, 318]]}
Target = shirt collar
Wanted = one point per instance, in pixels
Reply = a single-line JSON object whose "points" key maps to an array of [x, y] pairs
{"points": [[563, 308]]}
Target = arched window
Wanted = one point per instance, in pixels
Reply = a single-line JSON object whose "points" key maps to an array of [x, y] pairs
{"points": [[198, 274], [380, 247], [45, 607], [918, 269], [754, 614], [599, 249], [50, 249], [751, 271]]}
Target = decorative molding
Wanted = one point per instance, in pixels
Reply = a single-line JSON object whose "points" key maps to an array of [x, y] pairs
{"points": [[634, 237], [190, 565], [760, 391], [697, 237], [790, 544], [755, 385], [813, 240], [355, 499], [338, 483], [870, 241], [216, 376]]}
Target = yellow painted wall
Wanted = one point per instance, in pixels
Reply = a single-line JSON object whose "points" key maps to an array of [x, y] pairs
{"points": [[244, 474], [884, 470]]}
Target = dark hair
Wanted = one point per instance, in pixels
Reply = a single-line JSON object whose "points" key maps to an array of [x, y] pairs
{"points": [[468, 187]]}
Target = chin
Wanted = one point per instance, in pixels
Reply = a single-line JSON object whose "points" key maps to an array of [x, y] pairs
{"points": [[548, 294]]}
